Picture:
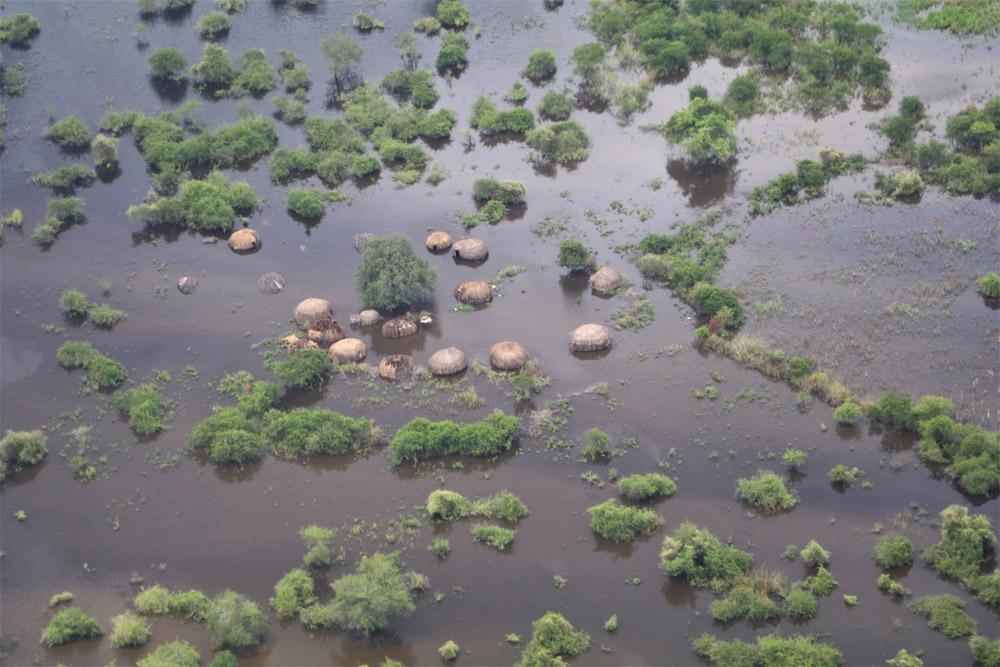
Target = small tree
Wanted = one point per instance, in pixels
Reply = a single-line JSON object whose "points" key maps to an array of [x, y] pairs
{"points": [[575, 256], [541, 66], [235, 621], [367, 599], [167, 63], [342, 56], [392, 276], [406, 44]]}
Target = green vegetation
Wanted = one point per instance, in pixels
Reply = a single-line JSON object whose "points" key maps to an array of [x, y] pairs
{"points": [[822, 583], [454, 53], [317, 432], [985, 652], [449, 651], [129, 630], [21, 449], [103, 371], [226, 436], [366, 23], [490, 121], [698, 556], [318, 539], [794, 458], [517, 94], [946, 614], [105, 150], [541, 66], [70, 132], [104, 316], [74, 302], [145, 407], [292, 592], [428, 25], [421, 438], [718, 304], [893, 551], [807, 182], [234, 621], [391, 276], [65, 178], [213, 25], [745, 601], [967, 540], [622, 523], [440, 547], [307, 204], [60, 598], [989, 285], [563, 142], [496, 537], [506, 192], [552, 638], [705, 131], [290, 112], [303, 368], [770, 651], [848, 413], [415, 86], [596, 445], [365, 601], [767, 491], [68, 625], [645, 487], [962, 17], [444, 505], [209, 205], [891, 586], [575, 256], [555, 106], [177, 653], [842, 475], [18, 29], [814, 554]]}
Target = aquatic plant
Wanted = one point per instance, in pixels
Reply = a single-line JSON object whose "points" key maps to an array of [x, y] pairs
{"points": [[698, 556], [490, 121], [440, 547], [366, 22], [18, 29], [392, 276], [506, 192], [215, 71], [104, 316], [496, 537], [68, 625], [343, 56], [892, 587], [769, 650], [103, 371], [254, 75], [74, 302], [552, 637], [946, 614], [893, 551], [177, 653], [588, 67], [454, 53], [105, 150], [129, 630], [303, 368], [596, 445], [767, 491], [292, 592], [452, 14], [745, 601], [234, 621], [814, 554], [794, 458], [848, 413], [822, 583], [966, 542], [575, 256], [306, 203], [988, 285], [961, 17], [422, 438], [65, 178], [841, 474], [318, 539], [213, 25], [622, 523], [70, 132], [317, 432], [145, 407], [226, 436], [21, 449], [985, 652], [449, 651], [517, 93], [705, 130], [564, 142], [413, 85], [366, 600], [645, 487], [541, 66], [555, 106]]}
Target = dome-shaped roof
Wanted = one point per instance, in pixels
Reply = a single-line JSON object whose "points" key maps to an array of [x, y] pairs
{"points": [[438, 241], [606, 280], [448, 361], [396, 367], [325, 331], [187, 284], [311, 309], [399, 327], [508, 356], [244, 240], [474, 292], [472, 250], [348, 351], [270, 283], [589, 338]]}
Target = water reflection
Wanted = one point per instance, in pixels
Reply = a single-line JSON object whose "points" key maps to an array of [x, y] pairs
{"points": [[703, 187]]}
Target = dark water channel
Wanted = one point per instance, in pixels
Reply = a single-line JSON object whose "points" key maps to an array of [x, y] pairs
{"points": [[190, 526]]}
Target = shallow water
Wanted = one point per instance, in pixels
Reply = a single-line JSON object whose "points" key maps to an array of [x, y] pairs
{"points": [[193, 527]]}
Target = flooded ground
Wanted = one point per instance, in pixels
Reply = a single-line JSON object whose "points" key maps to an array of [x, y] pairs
{"points": [[833, 269]]}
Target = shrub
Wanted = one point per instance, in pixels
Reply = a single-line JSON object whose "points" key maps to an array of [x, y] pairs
{"points": [[622, 523], [440, 547], [317, 538], [427, 25], [235, 447], [317, 432], [893, 409], [145, 407], [575, 256], [74, 302], [292, 592], [822, 583], [814, 554], [541, 66], [946, 614], [697, 555], [255, 75], [215, 69], [985, 652], [289, 164], [644, 487], [70, 624], [746, 601], [989, 285], [303, 368], [794, 458], [742, 95], [213, 24], [235, 621], [444, 505], [306, 203], [263, 395], [848, 413], [65, 178], [452, 14], [105, 316], [489, 121], [492, 211], [366, 23], [129, 630], [841, 474], [105, 150], [893, 551], [596, 445], [705, 131], [70, 132], [75, 354], [665, 57], [449, 651], [890, 586], [503, 505], [766, 491], [421, 438], [416, 86], [555, 106], [20, 449], [709, 299], [966, 541], [18, 29], [564, 142], [552, 636], [391, 276], [191, 604], [454, 53], [496, 537], [366, 600], [177, 653], [224, 658], [517, 93], [771, 650], [153, 600], [800, 604], [506, 192]]}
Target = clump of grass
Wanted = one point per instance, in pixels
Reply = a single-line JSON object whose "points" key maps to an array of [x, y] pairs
{"points": [[814, 554], [822, 583], [842, 475], [503, 505], [70, 132], [769, 650], [645, 487], [744, 601], [989, 285], [794, 458], [986, 652], [227, 437], [317, 538], [178, 653], [311, 432], [848, 413], [60, 598], [234, 621], [145, 407], [767, 491], [449, 651], [365, 600], [967, 541], [422, 438], [103, 372], [74, 302], [303, 368], [129, 630], [622, 523], [596, 445], [440, 547], [635, 317], [889, 585], [893, 551], [698, 556], [800, 604], [553, 637], [946, 614], [496, 537], [68, 625]]}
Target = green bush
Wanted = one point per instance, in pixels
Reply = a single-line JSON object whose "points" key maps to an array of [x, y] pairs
{"points": [[70, 132], [575, 256], [989, 285], [20, 449], [454, 53], [743, 95], [794, 458], [705, 130], [452, 14], [622, 523], [422, 438], [894, 410], [226, 436], [215, 70], [317, 538], [841, 474], [303, 368], [490, 121], [822, 583], [75, 354], [814, 554], [517, 93], [890, 586], [213, 24], [255, 75], [508, 193], [224, 658], [65, 178], [292, 592], [541, 66], [306, 203], [290, 164], [105, 316], [145, 407], [985, 652], [261, 397], [70, 624], [744, 601], [440, 547], [800, 604], [444, 505], [709, 299], [74, 302], [234, 621], [770, 651], [596, 445], [18, 29], [893, 551], [698, 556], [644, 487], [552, 636], [105, 150], [555, 106], [235, 447], [391, 276], [848, 413], [177, 653], [317, 432], [966, 541], [449, 651], [502, 505], [129, 630], [563, 143], [946, 614], [496, 537], [766, 491], [365, 601]]}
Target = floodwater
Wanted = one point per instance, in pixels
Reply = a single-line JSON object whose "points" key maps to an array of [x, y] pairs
{"points": [[189, 526]]}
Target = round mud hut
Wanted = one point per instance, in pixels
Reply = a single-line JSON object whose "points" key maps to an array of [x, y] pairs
{"points": [[399, 327], [369, 318], [312, 309], [508, 356], [187, 284], [348, 351], [606, 280], [448, 361], [471, 250], [474, 292], [396, 367], [438, 241], [589, 338], [325, 331], [291, 343], [244, 241], [270, 283]]}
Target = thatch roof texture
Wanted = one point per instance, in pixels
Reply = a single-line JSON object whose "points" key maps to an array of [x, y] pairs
{"points": [[244, 240], [474, 292], [606, 280], [325, 331], [399, 327], [396, 367], [291, 343], [270, 283], [187, 284], [438, 241], [448, 361], [589, 338], [472, 250], [348, 351], [508, 356], [312, 309], [369, 317]]}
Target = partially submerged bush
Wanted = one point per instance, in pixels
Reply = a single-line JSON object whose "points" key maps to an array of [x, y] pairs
{"points": [[449, 651], [842, 475], [129, 630], [541, 66], [235, 621], [575, 256], [292, 592], [103, 372], [68, 625], [74, 302], [892, 587], [794, 458], [697, 555], [106, 317], [303, 368], [989, 285], [145, 407], [564, 142], [745, 601], [454, 53], [848, 413], [770, 651], [444, 505], [70, 132], [318, 539], [317, 432], [946, 614], [422, 438], [985, 652], [508, 193], [645, 487], [596, 445], [65, 179], [552, 638], [711, 301], [490, 121], [18, 29], [894, 551], [705, 131], [177, 653], [391, 276], [366, 600], [767, 491], [555, 106], [21, 449], [213, 24], [622, 523], [814, 554], [966, 542], [226, 436], [496, 537], [306, 203]]}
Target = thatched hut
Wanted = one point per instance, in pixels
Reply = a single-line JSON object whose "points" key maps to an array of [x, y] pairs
{"points": [[244, 241], [312, 309], [606, 280], [396, 367], [270, 283], [508, 356], [399, 327], [325, 331], [348, 351], [438, 241], [291, 343], [187, 284], [589, 338], [474, 292], [369, 318], [471, 250], [448, 361]]}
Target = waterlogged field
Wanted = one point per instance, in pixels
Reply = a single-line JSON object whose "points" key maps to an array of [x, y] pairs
{"points": [[747, 475]]}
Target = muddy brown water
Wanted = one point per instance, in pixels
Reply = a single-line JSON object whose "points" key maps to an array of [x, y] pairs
{"points": [[193, 527]]}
